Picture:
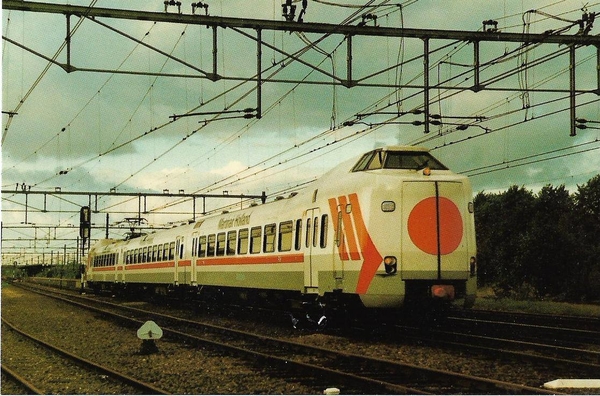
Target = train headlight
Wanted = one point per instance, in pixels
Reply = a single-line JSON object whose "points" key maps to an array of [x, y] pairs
{"points": [[388, 206], [473, 266], [391, 264]]}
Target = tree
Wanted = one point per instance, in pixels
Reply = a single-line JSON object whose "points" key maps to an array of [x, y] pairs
{"points": [[549, 249], [587, 227]]}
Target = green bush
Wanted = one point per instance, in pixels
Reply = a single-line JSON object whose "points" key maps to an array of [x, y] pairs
{"points": [[544, 245]]}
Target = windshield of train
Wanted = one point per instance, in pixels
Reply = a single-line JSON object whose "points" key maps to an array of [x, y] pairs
{"points": [[414, 160]]}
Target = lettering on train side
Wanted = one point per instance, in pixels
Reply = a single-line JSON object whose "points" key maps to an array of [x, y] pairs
{"points": [[238, 221]]}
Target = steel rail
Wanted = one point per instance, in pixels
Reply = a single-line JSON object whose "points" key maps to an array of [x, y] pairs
{"points": [[150, 389], [21, 380]]}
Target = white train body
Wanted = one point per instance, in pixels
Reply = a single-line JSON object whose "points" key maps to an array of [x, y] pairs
{"points": [[390, 227]]}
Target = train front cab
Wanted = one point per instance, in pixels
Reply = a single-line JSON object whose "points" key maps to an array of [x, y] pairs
{"points": [[438, 242]]}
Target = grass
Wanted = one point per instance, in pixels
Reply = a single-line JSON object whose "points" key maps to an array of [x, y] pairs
{"points": [[487, 301]]}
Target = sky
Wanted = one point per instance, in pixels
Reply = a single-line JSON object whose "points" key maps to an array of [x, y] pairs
{"points": [[95, 131]]}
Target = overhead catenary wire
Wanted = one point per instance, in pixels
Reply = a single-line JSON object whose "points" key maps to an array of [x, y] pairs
{"points": [[322, 143], [43, 74]]}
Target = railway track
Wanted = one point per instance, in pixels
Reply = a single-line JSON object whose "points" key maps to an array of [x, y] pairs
{"points": [[62, 370], [306, 363], [19, 383], [569, 332]]}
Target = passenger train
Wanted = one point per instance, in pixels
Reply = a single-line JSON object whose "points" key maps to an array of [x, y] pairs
{"points": [[390, 228]]}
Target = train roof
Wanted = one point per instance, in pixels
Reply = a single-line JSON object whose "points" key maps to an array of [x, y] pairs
{"points": [[402, 148]]}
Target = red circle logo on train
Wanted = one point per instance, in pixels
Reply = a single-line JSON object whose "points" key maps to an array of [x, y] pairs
{"points": [[423, 227]]}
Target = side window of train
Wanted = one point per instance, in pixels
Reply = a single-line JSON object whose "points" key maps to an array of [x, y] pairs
{"points": [[285, 236], [324, 226], [172, 251], [181, 245], [210, 247], [298, 239], [307, 239], [255, 235], [269, 241], [315, 231], [159, 255], [155, 253], [221, 244], [231, 240], [243, 241], [145, 255], [202, 246], [165, 252]]}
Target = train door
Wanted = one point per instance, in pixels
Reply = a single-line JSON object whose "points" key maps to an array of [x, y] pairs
{"points": [[120, 265], [434, 245], [179, 265], [338, 260], [311, 220], [195, 238]]}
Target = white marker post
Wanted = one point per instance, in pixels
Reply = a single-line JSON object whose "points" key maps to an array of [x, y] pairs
{"points": [[148, 333], [573, 383]]}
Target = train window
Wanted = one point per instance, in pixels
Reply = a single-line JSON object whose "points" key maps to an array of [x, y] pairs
{"points": [[307, 239], [285, 236], [376, 161], [221, 244], [202, 246], [145, 255], [363, 162], [269, 241], [231, 239], [323, 239], [172, 251], [243, 241], [155, 253], [181, 246], [255, 235], [165, 252], [194, 246], [159, 253], [210, 246], [411, 160], [315, 231], [298, 240]]}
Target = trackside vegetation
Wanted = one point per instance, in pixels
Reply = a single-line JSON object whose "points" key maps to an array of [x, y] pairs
{"points": [[540, 246]]}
